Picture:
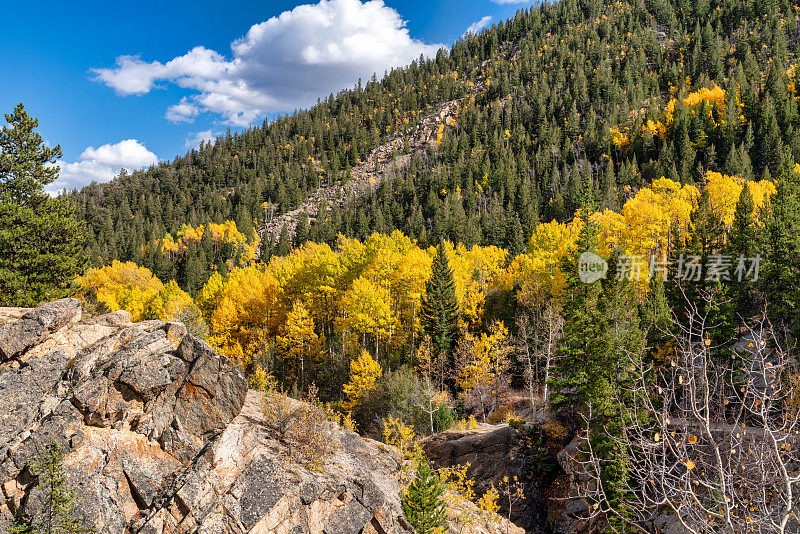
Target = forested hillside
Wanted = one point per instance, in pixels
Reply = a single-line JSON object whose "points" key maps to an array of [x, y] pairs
{"points": [[616, 93], [584, 221]]}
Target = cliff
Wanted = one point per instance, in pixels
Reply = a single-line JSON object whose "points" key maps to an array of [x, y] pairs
{"points": [[161, 435]]}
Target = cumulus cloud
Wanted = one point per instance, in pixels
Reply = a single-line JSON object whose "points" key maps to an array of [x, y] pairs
{"points": [[283, 63], [101, 164], [478, 25], [183, 111], [193, 141]]}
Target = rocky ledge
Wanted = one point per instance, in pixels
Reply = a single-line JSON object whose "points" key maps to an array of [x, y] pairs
{"points": [[161, 435]]}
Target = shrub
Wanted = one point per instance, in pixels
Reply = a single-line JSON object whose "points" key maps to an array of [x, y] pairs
{"points": [[443, 418], [466, 424], [395, 394], [305, 428], [277, 409], [310, 437], [500, 415], [400, 436]]}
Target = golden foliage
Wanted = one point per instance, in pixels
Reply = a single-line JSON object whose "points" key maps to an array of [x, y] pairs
{"points": [[126, 286], [399, 435], [364, 374], [466, 424]]}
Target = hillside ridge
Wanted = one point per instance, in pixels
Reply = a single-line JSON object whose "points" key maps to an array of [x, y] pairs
{"points": [[388, 158]]}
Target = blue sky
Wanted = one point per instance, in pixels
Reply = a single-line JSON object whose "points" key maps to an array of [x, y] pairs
{"points": [[123, 84]]}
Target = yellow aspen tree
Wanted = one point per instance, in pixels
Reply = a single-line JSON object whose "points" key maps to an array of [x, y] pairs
{"points": [[483, 367], [364, 374], [723, 193], [208, 296], [367, 310], [121, 286], [299, 343], [246, 313]]}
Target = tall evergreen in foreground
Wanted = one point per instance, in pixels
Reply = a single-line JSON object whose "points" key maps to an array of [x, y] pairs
{"points": [[439, 313], [57, 514], [581, 334], [422, 501], [40, 241], [610, 384], [781, 270]]}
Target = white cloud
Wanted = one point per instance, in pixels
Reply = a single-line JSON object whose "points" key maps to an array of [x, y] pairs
{"points": [[193, 141], [102, 164], [283, 63], [478, 25], [183, 111]]}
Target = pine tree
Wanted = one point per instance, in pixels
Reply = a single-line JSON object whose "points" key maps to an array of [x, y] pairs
{"points": [[610, 376], [780, 282], [57, 515], [422, 501], [581, 333], [439, 310], [40, 241], [742, 245]]}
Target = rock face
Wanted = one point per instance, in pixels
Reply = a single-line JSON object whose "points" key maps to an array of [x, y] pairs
{"points": [[160, 435], [382, 162], [543, 464], [493, 452]]}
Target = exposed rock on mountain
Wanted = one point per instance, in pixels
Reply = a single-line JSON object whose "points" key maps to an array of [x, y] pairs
{"points": [[161, 435], [378, 164], [492, 452]]}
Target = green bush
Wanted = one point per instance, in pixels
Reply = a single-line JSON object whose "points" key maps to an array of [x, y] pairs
{"points": [[443, 418]]}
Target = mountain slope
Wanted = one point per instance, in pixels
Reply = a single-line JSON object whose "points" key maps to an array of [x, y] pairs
{"points": [[612, 94]]}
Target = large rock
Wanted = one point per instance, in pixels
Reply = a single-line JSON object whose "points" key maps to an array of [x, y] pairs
{"points": [[493, 452], [19, 335], [160, 435]]}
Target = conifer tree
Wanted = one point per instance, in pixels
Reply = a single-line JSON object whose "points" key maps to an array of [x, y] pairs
{"points": [[40, 241], [581, 330], [780, 280], [57, 515], [610, 377], [742, 245], [439, 310], [422, 501]]}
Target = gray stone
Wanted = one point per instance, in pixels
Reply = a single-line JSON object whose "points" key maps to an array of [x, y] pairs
{"points": [[260, 487], [213, 393], [18, 336], [160, 435]]}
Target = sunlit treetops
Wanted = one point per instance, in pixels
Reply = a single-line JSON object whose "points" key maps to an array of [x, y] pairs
{"points": [[368, 292], [126, 286], [710, 101], [220, 234], [643, 228]]}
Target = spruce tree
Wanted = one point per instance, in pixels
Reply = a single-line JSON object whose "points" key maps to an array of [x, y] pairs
{"points": [[439, 307], [422, 501], [611, 373], [781, 270], [581, 332], [57, 515], [40, 241], [742, 244]]}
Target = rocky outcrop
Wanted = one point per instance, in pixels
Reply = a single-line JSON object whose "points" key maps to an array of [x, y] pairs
{"points": [[493, 452], [378, 164], [544, 462], [161, 435]]}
